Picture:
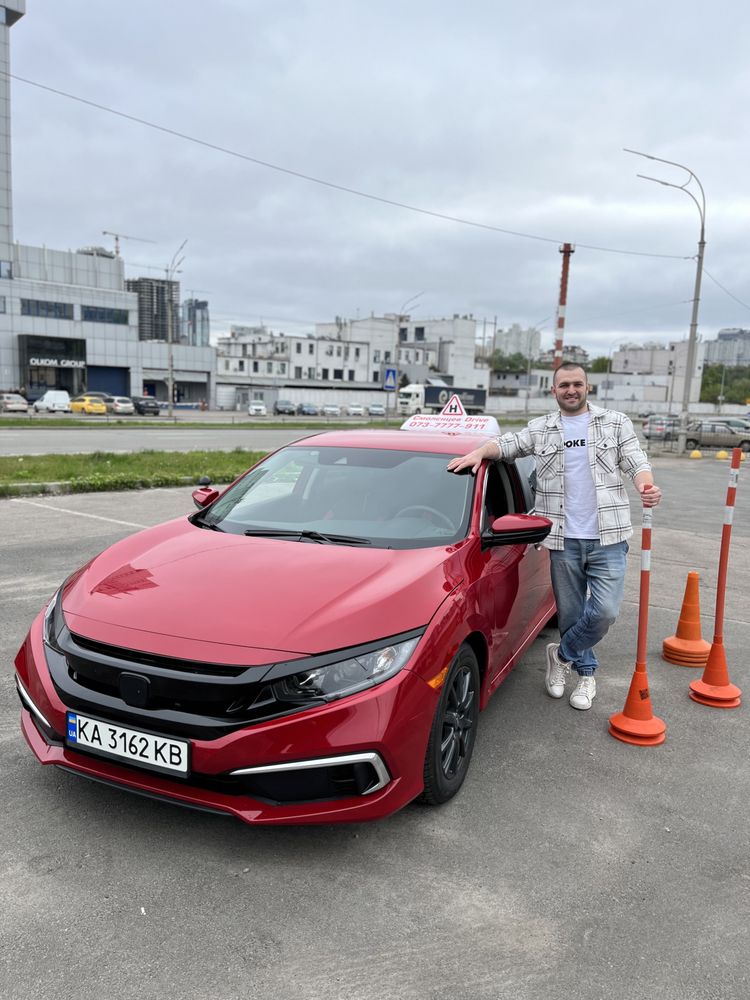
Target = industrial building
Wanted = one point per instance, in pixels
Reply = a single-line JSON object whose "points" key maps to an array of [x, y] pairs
{"points": [[67, 318]]}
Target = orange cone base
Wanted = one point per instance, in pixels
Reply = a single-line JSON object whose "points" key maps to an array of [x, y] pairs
{"points": [[725, 696], [640, 732], [686, 652], [637, 741], [685, 661]]}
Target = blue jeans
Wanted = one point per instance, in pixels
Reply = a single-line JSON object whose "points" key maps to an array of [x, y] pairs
{"points": [[588, 580]]}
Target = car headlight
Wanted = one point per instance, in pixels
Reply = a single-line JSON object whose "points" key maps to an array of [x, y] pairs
{"points": [[356, 673], [53, 619]]}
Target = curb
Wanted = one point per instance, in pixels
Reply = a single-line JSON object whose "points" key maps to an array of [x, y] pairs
{"points": [[58, 489]]}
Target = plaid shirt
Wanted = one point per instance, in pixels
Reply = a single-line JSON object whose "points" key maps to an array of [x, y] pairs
{"points": [[612, 448]]}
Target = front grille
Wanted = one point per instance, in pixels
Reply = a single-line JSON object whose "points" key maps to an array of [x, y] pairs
{"points": [[185, 698], [154, 660]]}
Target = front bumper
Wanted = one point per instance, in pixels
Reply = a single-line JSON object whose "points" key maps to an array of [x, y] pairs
{"points": [[361, 757]]}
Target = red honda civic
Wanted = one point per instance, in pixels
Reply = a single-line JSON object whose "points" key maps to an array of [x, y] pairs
{"points": [[313, 645]]}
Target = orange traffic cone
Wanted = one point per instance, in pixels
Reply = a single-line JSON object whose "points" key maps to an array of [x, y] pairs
{"points": [[687, 648], [714, 688], [637, 723]]}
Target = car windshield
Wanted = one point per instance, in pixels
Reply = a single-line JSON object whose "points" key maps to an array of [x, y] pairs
{"points": [[384, 498]]}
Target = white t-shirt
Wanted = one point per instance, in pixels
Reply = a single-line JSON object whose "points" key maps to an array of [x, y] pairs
{"points": [[581, 519]]}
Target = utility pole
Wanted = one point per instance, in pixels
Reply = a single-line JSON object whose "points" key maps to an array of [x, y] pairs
{"points": [[170, 272], [566, 250]]}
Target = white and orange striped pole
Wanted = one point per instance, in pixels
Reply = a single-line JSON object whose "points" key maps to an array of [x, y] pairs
{"points": [[714, 688], [637, 723], [566, 250]]}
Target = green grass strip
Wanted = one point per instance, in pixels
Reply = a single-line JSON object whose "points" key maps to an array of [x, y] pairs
{"points": [[103, 470]]}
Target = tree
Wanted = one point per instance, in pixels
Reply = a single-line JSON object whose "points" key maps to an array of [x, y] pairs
{"points": [[736, 388], [516, 362], [600, 364]]}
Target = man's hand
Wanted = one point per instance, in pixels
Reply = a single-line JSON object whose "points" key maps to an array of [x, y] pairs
{"points": [[475, 458], [650, 494]]}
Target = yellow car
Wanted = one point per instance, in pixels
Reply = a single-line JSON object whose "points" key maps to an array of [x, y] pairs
{"points": [[88, 404]]}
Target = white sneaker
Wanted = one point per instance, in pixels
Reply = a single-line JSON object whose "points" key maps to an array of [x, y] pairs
{"points": [[557, 671], [584, 693]]}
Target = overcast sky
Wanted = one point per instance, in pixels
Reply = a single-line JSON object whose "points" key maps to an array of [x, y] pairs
{"points": [[505, 114]]}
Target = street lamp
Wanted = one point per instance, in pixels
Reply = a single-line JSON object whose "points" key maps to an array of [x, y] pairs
{"points": [[692, 339], [401, 315], [170, 272]]}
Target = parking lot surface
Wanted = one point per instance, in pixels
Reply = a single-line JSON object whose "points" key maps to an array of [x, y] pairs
{"points": [[569, 866]]}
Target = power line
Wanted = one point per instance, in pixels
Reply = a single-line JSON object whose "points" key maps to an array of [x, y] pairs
{"points": [[332, 184], [726, 290]]}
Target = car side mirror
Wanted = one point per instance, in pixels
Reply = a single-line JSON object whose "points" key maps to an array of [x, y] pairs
{"points": [[518, 529], [204, 496]]}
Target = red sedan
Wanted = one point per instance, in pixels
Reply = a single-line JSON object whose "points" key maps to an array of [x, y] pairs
{"points": [[314, 644]]}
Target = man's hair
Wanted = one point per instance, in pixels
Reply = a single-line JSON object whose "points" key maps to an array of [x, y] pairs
{"points": [[567, 366]]}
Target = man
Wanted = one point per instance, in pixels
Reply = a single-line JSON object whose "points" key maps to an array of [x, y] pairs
{"points": [[581, 451]]}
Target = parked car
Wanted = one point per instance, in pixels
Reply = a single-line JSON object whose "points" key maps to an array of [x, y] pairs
{"points": [[307, 410], [376, 410], [92, 405], [661, 428], [363, 604], [284, 406], [13, 402], [106, 397], [257, 408], [146, 405], [712, 434], [53, 401], [121, 405], [736, 422], [355, 410], [331, 410]]}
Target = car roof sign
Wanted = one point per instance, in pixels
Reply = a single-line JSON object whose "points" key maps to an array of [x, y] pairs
{"points": [[447, 423]]}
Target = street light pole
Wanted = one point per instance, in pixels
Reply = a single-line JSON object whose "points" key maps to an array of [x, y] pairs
{"points": [[693, 337], [170, 272], [401, 315]]}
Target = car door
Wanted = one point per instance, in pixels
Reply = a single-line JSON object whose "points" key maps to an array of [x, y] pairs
{"points": [[514, 585]]}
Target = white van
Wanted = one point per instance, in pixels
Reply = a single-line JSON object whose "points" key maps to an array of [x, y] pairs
{"points": [[53, 401]]}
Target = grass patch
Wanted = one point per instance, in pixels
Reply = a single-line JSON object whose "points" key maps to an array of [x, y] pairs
{"points": [[103, 470]]}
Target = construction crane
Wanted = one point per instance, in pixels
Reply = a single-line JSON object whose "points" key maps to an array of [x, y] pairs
{"points": [[121, 236]]}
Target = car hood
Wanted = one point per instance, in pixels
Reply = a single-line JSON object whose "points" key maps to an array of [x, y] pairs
{"points": [[179, 590]]}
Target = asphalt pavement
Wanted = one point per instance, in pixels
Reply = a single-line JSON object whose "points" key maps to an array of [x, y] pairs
{"points": [[569, 866]]}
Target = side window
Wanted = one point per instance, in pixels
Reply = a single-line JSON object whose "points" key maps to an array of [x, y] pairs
{"points": [[498, 494], [526, 468]]}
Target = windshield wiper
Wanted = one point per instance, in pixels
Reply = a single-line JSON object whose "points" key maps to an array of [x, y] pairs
{"points": [[200, 523], [315, 536]]}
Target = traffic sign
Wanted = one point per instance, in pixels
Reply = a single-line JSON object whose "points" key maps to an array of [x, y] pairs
{"points": [[453, 408], [389, 380]]}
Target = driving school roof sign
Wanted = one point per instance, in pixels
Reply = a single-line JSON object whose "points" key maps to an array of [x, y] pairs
{"points": [[452, 419]]}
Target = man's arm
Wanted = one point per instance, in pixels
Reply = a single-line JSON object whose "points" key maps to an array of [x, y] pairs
{"points": [[490, 449]]}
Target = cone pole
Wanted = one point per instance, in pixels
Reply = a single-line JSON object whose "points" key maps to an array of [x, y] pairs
{"points": [[637, 724], [714, 688], [687, 648]]}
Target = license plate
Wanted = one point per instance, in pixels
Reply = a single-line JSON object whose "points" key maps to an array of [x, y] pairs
{"points": [[156, 753]]}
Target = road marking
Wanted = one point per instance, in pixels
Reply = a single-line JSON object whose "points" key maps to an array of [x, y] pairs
{"points": [[78, 513]]}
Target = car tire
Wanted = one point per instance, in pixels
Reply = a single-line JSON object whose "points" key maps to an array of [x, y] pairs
{"points": [[745, 446], [453, 732], [691, 443]]}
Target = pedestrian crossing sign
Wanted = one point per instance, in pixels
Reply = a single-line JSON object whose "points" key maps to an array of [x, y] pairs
{"points": [[389, 380], [453, 408]]}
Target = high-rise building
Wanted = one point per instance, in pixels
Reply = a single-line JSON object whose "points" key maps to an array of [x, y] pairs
{"points": [[158, 306], [195, 327]]}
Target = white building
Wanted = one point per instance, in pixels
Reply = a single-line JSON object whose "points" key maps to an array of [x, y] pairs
{"points": [[66, 319], [418, 348], [664, 366]]}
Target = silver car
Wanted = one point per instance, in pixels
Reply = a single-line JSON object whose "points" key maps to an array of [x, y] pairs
{"points": [[713, 434]]}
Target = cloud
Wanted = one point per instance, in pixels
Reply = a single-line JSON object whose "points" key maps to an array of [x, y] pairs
{"points": [[507, 116]]}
